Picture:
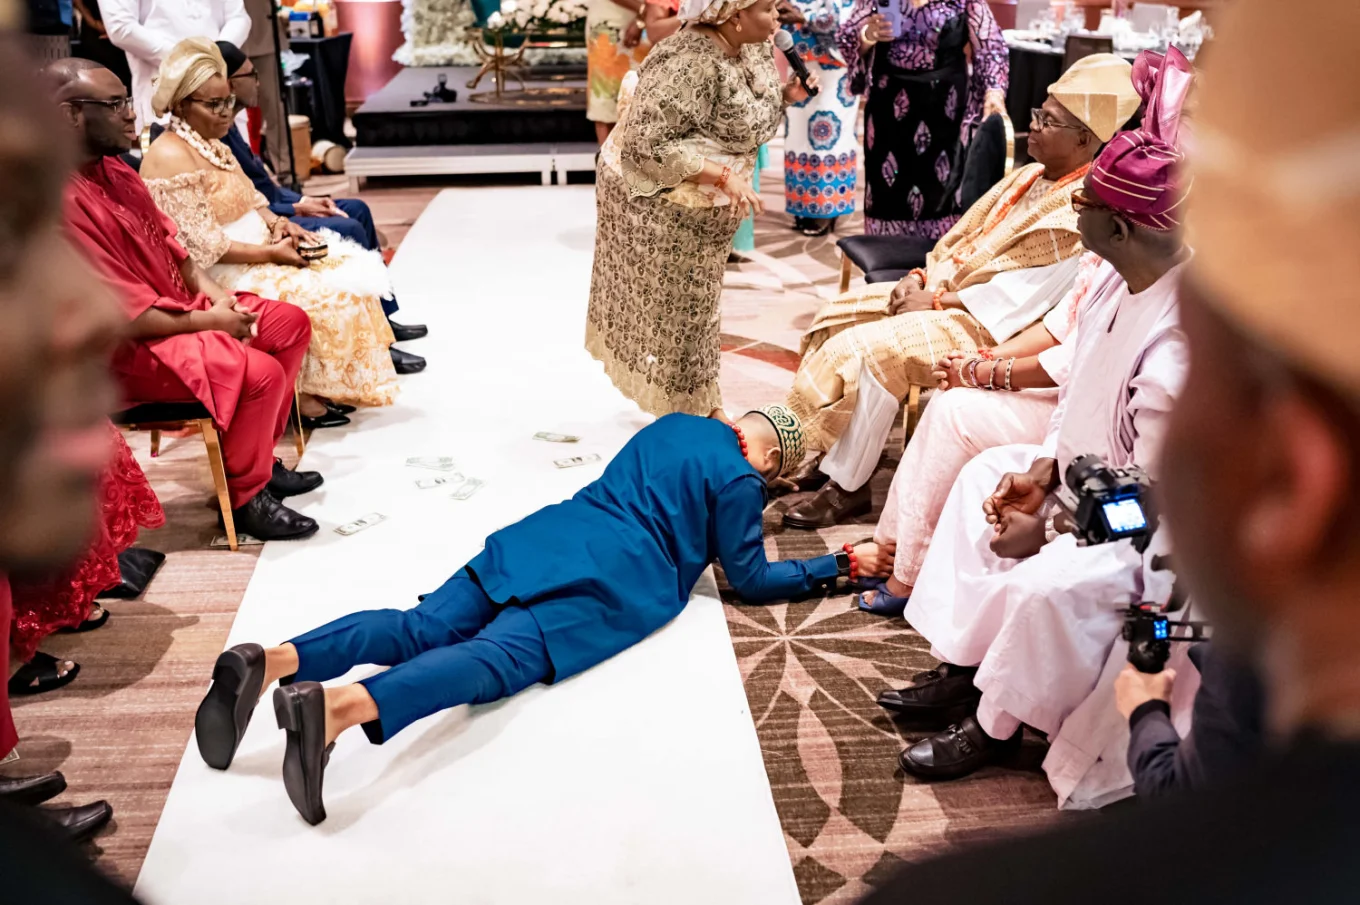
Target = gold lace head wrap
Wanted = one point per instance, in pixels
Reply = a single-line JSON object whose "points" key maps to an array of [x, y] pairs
{"points": [[712, 12], [10, 17], [189, 64], [1275, 220], [1098, 90]]}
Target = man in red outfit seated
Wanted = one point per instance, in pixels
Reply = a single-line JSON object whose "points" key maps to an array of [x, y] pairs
{"points": [[189, 339]]}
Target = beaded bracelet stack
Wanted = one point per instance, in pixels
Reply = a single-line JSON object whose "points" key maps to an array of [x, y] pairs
{"points": [[854, 560], [968, 373]]}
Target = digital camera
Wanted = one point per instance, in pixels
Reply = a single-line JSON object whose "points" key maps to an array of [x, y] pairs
{"points": [[1109, 504]]}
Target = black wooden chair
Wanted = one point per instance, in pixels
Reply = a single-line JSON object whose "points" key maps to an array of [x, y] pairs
{"points": [[170, 416], [1079, 47], [886, 259]]}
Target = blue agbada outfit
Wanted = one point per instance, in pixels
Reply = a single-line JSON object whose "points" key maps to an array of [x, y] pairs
{"points": [[574, 583], [358, 226]]}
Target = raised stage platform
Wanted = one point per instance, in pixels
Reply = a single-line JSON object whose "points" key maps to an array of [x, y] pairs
{"points": [[545, 131]]}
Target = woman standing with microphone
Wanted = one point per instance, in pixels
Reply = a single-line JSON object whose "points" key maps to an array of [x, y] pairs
{"points": [[673, 182]]}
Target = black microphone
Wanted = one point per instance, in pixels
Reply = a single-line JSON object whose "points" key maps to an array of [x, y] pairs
{"points": [[784, 41]]}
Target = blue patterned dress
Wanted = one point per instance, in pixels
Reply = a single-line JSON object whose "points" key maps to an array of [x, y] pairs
{"points": [[922, 108], [821, 156]]}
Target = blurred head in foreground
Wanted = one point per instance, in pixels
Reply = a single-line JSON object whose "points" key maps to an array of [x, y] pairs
{"points": [[1263, 459], [59, 326]]}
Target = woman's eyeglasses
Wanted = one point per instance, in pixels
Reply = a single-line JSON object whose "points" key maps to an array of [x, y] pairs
{"points": [[221, 106], [1082, 200], [1039, 120], [118, 106]]}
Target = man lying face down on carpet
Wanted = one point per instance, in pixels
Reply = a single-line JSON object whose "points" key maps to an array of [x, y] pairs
{"points": [[550, 596]]}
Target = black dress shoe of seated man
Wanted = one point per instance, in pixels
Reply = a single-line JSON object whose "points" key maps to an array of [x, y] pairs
{"points": [[301, 711], [286, 482], [406, 332], [944, 693], [830, 506], [224, 715], [956, 752], [265, 518], [30, 790], [76, 824], [406, 363]]}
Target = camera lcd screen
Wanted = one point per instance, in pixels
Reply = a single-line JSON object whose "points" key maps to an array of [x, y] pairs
{"points": [[1124, 517]]}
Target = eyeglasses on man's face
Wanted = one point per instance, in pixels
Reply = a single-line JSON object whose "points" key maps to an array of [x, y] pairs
{"points": [[253, 75], [118, 106], [220, 106], [1083, 200], [1039, 120]]}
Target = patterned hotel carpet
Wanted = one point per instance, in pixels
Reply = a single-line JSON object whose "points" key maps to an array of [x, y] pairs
{"points": [[812, 668]]}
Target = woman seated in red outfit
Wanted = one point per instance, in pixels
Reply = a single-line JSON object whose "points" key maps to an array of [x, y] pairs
{"points": [[64, 600]]}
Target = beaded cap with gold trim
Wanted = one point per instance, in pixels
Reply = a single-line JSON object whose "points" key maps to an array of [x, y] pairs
{"points": [[790, 432]]}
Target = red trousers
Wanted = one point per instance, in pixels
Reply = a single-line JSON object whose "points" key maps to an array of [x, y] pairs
{"points": [[273, 359]]}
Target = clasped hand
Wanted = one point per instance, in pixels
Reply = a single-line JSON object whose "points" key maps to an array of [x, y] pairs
{"points": [[318, 207], [948, 373], [1013, 510], [231, 318], [908, 295]]}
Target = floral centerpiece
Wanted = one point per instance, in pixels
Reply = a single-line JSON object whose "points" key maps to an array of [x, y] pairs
{"points": [[539, 17], [443, 32]]}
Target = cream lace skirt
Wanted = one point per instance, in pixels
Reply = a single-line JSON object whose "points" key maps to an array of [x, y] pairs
{"points": [[348, 359]]}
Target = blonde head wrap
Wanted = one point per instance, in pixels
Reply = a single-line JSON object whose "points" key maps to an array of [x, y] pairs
{"points": [[1098, 90], [190, 63], [712, 12], [1275, 220]]}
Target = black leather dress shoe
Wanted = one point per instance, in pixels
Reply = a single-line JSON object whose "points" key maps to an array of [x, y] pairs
{"points": [[286, 483], [406, 363], [265, 518], [301, 712], [957, 751], [339, 408], [829, 507], [219, 726], [330, 419], [942, 694], [28, 790], [405, 332], [76, 824]]}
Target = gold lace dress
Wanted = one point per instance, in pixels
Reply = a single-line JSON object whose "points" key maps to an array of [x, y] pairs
{"points": [[348, 359], [661, 244]]}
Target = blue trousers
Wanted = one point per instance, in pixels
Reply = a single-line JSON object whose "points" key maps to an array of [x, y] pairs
{"points": [[358, 226], [456, 648]]}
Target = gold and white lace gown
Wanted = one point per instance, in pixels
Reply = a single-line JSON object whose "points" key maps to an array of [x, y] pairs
{"points": [[348, 359], [661, 244]]}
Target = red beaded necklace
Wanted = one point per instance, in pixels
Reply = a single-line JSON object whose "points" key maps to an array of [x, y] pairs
{"points": [[741, 438]]}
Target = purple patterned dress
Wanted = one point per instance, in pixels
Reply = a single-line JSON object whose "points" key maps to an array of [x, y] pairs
{"points": [[922, 108]]}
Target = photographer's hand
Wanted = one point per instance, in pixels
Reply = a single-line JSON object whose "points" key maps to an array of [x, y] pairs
{"points": [[1133, 689]]}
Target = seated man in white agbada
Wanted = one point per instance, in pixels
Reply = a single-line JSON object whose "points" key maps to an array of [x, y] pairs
{"points": [[1023, 617]]}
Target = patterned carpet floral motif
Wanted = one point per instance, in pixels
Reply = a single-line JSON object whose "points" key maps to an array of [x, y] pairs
{"points": [[813, 668]]}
